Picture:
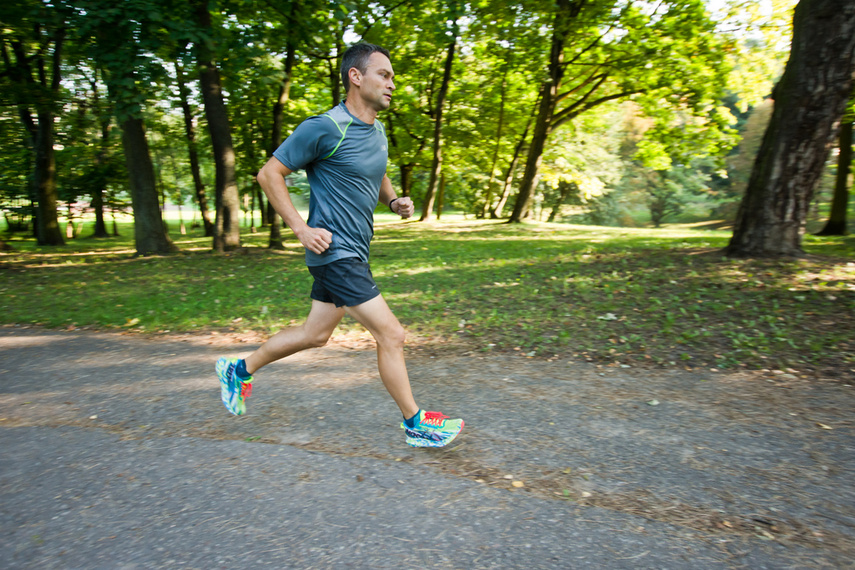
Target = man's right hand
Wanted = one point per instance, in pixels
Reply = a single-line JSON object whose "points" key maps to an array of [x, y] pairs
{"points": [[316, 240]]}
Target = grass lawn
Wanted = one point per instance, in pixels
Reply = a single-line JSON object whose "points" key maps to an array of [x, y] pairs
{"points": [[621, 297]]}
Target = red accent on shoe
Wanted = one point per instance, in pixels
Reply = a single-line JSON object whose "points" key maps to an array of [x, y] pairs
{"points": [[245, 389], [433, 418]]}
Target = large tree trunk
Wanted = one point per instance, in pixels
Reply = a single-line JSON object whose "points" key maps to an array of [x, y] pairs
{"points": [[227, 224], [548, 100], [836, 224], [48, 231], [47, 228], [810, 100], [149, 232], [436, 168], [190, 133]]}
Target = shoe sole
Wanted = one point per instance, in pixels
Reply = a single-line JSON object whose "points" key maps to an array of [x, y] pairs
{"points": [[425, 442]]}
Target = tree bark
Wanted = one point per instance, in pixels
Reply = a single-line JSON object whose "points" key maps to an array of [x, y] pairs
{"points": [[810, 99], [41, 132], [275, 239], [227, 221], [406, 171], [193, 153], [564, 190], [440, 196], [496, 212], [48, 231], [149, 232], [499, 133], [101, 163], [836, 224], [567, 10], [436, 168], [334, 64]]}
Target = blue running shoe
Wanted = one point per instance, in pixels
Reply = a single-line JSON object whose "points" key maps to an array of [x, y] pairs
{"points": [[432, 430], [233, 390]]}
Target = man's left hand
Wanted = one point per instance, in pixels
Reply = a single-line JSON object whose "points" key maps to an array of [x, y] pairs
{"points": [[404, 207]]}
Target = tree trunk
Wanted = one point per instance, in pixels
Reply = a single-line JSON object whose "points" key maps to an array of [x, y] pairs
{"points": [[406, 179], [46, 228], [334, 64], [499, 132], [190, 132], [548, 100], [564, 189], [272, 218], [98, 193], [98, 206], [149, 234], [436, 168], [101, 161], [836, 225], [810, 100], [48, 231], [496, 212], [440, 196], [227, 224]]}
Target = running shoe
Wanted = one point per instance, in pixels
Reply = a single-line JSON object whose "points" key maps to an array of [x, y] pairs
{"points": [[233, 390], [432, 430]]}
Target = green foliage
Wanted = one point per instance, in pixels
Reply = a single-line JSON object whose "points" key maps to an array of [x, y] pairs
{"points": [[691, 74], [628, 297]]}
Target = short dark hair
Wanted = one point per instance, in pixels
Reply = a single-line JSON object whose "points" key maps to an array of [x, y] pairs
{"points": [[357, 56]]}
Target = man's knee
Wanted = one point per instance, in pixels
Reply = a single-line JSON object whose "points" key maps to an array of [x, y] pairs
{"points": [[393, 336], [316, 339]]}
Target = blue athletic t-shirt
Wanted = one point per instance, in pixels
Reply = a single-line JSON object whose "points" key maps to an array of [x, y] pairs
{"points": [[345, 161]]}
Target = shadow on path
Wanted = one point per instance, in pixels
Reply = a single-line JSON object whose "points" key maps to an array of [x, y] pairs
{"points": [[117, 453]]}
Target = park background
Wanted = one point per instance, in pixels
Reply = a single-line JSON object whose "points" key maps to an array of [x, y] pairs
{"points": [[619, 137]]}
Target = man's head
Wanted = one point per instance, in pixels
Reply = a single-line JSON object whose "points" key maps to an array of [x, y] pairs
{"points": [[357, 56]]}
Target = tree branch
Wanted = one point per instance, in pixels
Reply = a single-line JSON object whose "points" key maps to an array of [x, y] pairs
{"points": [[383, 17], [575, 110], [576, 89]]}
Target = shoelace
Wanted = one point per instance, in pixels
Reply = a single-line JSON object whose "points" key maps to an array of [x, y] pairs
{"points": [[433, 418], [245, 389]]}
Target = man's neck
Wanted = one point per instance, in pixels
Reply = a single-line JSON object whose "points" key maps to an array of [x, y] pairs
{"points": [[360, 110]]}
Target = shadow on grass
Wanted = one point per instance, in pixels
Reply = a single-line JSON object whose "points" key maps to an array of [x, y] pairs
{"points": [[620, 296]]}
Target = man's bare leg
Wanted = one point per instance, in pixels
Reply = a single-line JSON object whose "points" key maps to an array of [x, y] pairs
{"points": [[376, 316], [316, 331]]}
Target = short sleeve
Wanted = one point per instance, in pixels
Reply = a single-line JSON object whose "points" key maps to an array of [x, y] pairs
{"points": [[312, 140]]}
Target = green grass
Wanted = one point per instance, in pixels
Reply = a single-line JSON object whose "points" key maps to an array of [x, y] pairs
{"points": [[615, 296]]}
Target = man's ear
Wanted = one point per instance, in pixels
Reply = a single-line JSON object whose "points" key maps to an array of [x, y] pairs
{"points": [[355, 76]]}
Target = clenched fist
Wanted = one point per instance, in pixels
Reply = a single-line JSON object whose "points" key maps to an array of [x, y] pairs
{"points": [[316, 240], [403, 207]]}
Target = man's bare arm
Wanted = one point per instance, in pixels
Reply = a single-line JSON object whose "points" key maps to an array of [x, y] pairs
{"points": [[271, 177], [402, 206]]}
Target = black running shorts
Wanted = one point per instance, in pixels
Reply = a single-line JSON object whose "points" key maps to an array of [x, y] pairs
{"points": [[346, 282]]}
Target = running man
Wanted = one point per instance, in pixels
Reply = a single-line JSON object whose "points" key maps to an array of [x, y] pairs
{"points": [[344, 153]]}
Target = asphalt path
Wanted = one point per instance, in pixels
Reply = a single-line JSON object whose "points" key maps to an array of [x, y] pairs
{"points": [[117, 453]]}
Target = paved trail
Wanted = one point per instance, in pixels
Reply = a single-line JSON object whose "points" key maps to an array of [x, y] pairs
{"points": [[116, 453]]}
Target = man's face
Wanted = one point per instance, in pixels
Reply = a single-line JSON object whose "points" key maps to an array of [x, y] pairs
{"points": [[376, 85]]}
